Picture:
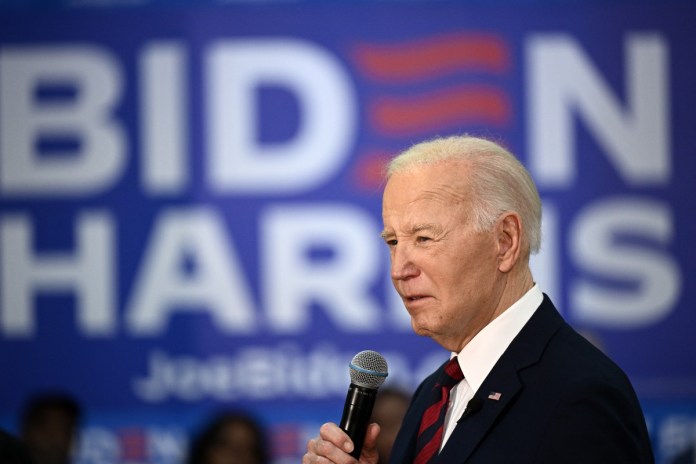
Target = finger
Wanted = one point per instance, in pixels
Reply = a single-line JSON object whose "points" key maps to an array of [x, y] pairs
{"points": [[332, 433], [311, 458], [369, 450], [372, 433], [317, 449]]}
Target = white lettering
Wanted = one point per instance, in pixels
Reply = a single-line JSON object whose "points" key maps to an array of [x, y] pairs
{"points": [[189, 266], [89, 273], [600, 242], [238, 162], [562, 82], [91, 148], [339, 280], [283, 371], [163, 109]]}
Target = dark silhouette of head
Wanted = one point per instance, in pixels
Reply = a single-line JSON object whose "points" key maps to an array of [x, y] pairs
{"points": [[230, 438], [49, 427]]}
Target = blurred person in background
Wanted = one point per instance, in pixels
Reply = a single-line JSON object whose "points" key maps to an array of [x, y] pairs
{"points": [[389, 411], [461, 217], [230, 438], [13, 450], [49, 427]]}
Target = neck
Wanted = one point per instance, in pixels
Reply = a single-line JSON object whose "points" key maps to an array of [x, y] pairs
{"points": [[514, 285], [518, 282]]}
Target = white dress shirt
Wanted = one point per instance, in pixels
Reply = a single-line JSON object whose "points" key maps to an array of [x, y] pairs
{"points": [[481, 353]]}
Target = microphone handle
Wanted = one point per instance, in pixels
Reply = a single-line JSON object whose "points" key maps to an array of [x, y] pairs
{"points": [[357, 411]]}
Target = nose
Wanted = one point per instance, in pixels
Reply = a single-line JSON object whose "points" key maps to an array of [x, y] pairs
{"points": [[402, 265]]}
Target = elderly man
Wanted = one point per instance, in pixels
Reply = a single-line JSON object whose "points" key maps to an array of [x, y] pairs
{"points": [[461, 218]]}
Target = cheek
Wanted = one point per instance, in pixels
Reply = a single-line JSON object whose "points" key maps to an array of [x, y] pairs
{"points": [[464, 279], [454, 271]]}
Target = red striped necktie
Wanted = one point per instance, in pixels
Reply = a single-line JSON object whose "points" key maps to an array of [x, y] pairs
{"points": [[433, 420]]}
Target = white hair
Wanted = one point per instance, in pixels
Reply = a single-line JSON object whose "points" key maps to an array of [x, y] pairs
{"points": [[499, 181]]}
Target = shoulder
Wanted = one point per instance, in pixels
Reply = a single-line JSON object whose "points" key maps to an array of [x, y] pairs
{"points": [[550, 343], [556, 363], [585, 401], [570, 353]]}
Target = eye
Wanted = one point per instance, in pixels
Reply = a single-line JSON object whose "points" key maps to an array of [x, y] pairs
{"points": [[391, 242], [422, 239]]}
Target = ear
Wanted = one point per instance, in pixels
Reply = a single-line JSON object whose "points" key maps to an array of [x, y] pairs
{"points": [[509, 236]]}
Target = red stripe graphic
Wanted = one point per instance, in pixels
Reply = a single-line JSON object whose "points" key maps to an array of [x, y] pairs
{"points": [[465, 105], [370, 169], [427, 58], [133, 444]]}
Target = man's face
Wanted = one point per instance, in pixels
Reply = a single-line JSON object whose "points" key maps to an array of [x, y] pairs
{"points": [[445, 272]]}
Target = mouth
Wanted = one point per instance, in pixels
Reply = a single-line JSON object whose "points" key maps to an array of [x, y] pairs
{"points": [[414, 298]]}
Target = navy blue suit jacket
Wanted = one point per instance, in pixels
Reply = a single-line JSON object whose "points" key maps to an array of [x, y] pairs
{"points": [[562, 401]]}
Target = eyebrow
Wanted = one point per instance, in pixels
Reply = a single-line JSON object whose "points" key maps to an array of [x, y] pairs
{"points": [[414, 230], [421, 227]]}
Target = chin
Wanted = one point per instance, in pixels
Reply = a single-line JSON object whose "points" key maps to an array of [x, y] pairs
{"points": [[421, 330]]}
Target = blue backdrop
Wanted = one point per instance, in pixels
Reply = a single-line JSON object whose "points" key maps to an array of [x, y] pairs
{"points": [[190, 199]]}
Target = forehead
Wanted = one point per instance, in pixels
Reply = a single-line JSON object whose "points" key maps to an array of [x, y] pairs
{"points": [[447, 178], [427, 190]]}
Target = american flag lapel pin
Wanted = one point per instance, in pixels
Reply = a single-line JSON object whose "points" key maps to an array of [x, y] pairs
{"points": [[495, 396]]}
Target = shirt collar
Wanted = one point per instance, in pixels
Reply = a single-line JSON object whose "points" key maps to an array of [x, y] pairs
{"points": [[480, 355]]}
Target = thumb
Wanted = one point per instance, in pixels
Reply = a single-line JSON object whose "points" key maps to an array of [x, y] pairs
{"points": [[369, 450]]}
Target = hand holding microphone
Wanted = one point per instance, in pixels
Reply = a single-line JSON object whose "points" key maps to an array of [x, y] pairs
{"points": [[368, 370]]}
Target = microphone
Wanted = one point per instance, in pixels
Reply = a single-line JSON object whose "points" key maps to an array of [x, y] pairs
{"points": [[473, 406], [368, 370]]}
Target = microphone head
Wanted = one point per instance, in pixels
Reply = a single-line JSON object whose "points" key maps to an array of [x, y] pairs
{"points": [[368, 369]]}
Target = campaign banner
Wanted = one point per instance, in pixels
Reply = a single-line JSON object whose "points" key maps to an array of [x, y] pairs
{"points": [[190, 200]]}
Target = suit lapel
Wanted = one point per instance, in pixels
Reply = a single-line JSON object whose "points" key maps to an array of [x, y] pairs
{"points": [[526, 349], [469, 432]]}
